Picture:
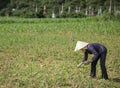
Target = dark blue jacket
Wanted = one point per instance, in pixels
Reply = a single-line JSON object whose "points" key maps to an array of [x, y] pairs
{"points": [[96, 49]]}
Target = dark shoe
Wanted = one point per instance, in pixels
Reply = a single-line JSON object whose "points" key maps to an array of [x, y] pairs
{"points": [[105, 77]]}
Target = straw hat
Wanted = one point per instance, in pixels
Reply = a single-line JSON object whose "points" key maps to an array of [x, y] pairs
{"points": [[80, 45]]}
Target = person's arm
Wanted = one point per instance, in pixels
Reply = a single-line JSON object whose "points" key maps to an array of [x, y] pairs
{"points": [[84, 59], [85, 56]]}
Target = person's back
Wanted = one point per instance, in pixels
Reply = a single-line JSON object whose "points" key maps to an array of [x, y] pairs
{"points": [[92, 47]]}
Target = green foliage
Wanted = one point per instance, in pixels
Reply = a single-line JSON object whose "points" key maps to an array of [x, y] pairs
{"points": [[108, 17], [71, 15], [39, 53], [35, 8], [23, 13]]}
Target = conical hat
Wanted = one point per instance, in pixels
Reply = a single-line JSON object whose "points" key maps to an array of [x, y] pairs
{"points": [[80, 45]]}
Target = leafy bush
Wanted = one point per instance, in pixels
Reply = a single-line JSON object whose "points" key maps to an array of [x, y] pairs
{"points": [[71, 15], [5, 12], [108, 16]]}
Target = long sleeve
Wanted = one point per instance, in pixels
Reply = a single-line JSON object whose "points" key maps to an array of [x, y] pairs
{"points": [[85, 56]]}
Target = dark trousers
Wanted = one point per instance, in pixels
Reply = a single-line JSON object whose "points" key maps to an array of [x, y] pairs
{"points": [[102, 65]]}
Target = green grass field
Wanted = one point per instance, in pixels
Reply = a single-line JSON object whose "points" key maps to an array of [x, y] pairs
{"points": [[39, 53]]}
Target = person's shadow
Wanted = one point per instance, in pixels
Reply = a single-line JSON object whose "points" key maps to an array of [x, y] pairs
{"points": [[117, 79]]}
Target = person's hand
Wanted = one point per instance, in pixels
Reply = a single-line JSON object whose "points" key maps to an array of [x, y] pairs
{"points": [[79, 65], [85, 62]]}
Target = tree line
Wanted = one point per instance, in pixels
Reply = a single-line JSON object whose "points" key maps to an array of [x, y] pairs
{"points": [[58, 8]]}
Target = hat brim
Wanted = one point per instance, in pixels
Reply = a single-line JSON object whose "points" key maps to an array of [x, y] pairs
{"points": [[80, 45]]}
